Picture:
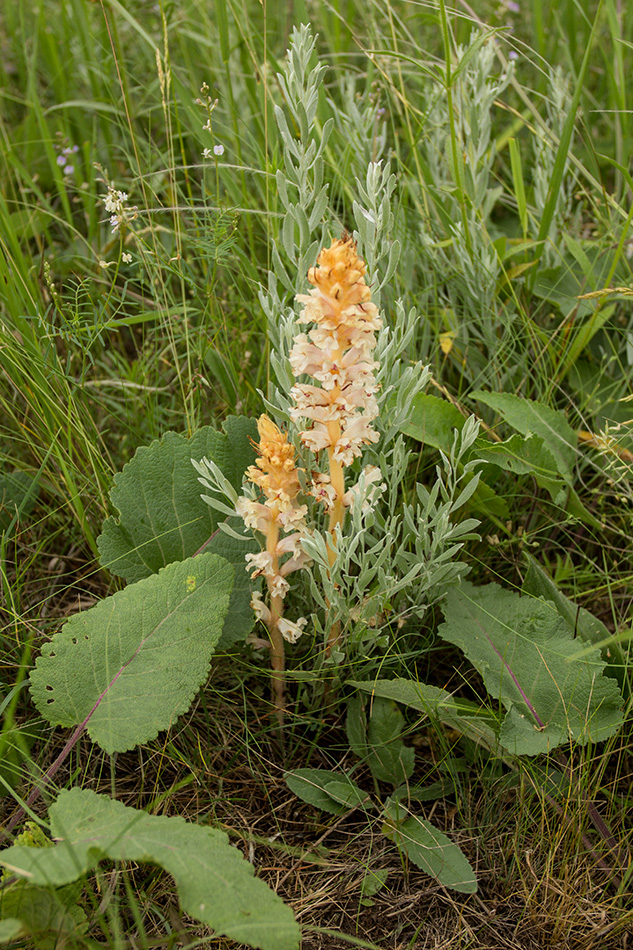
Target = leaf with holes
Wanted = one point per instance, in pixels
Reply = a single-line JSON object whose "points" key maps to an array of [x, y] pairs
{"points": [[129, 667], [525, 652], [215, 884]]}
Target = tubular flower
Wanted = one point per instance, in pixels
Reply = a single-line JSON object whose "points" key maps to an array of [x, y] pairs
{"points": [[275, 474], [337, 354]]}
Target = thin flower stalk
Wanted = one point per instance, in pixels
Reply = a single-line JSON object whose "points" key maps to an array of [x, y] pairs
{"points": [[281, 520], [340, 404]]}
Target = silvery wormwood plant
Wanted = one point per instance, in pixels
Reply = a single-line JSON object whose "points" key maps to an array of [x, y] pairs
{"points": [[313, 498]]}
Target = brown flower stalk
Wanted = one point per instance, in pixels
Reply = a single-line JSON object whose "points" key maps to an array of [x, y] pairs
{"points": [[337, 354], [280, 519]]}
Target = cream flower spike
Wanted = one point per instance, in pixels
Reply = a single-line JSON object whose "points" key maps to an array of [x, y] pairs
{"points": [[337, 354], [340, 401]]}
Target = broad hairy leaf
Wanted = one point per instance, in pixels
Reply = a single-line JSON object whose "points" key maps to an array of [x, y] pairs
{"points": [[529, 455], [240, 619], [522, 455], [534, 418], [430, 849], [333, 792], [524, 651], [131, 665], [215, 884], [539, 584], [161, 517]]}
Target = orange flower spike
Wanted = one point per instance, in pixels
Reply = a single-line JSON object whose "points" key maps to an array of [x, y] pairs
{"points": [[275, 471], [340, 274]]}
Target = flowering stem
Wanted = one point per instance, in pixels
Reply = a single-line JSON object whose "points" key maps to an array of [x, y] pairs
{"points": [[337, 476], [277, 660], [277, 651]]}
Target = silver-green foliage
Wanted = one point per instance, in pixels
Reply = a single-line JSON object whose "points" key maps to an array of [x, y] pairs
{"points": [[304, 197], [476, 84], [397, 553], [459, 150], [300, 182], [215, 884], [557, 108]]}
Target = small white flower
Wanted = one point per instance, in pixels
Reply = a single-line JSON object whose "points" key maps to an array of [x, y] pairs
{"points": [[218, 150], [261, 610], [206, 153], [291, 630], [126, 258], [260, 563], [114, 200]]}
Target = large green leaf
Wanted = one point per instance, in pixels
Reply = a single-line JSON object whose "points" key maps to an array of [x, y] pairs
{"points": [[131, 665], [519, 454], [529, 455], [534, 418], [539, 584], [240, 619], [430, 850], [157, 495], [432, 421], [215, 884], [162, 517], [524, 651]]}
